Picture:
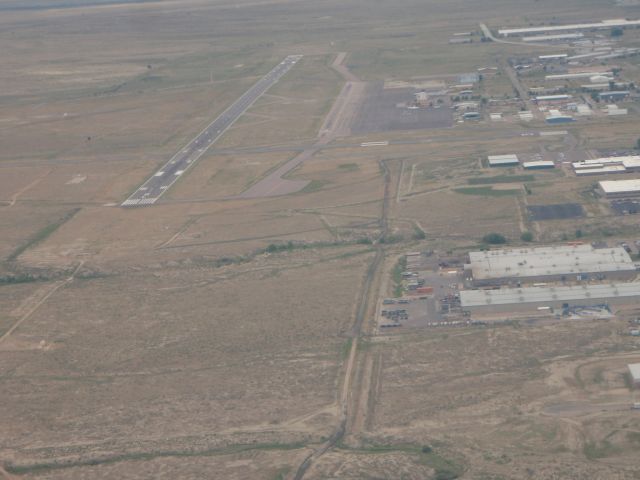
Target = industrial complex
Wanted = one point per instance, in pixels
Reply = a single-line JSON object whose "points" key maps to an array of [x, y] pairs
{"points": [[545, 298], [605, 24], [541, 264]]}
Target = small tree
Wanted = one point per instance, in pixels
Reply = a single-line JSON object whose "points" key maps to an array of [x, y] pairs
{"points": [[617, 32], [494, 239], [526, 237], [638, 144]]}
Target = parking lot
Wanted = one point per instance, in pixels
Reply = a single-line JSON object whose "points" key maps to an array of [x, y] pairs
{"points": [[385, 110], [440, 308], [555, 212], [625, 207]]}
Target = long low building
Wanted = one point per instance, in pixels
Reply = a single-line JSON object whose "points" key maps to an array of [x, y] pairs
{"points": [[618, 22], [503, 160], [605, 165], [601, 170], [552, 98], [560, 36], [541, 264], [620, 188], [634, 371], [538, 165], [535, 298], [572, 76]]}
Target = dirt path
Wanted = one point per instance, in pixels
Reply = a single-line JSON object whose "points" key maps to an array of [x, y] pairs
{"points": [[365, 303], [30, 311], [6, 475], [14, 197]]}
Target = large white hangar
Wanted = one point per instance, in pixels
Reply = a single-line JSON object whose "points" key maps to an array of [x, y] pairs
{"points": [[556, 263], [605, 24], [532, 299]]}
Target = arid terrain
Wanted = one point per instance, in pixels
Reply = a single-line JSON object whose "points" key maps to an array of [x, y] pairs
{"points": [[228, 330]]}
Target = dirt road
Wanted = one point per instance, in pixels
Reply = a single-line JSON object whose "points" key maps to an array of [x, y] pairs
{"points": [[39, 301], [366, 300]]}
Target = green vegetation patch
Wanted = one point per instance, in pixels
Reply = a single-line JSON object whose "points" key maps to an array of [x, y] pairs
{"points": [[445, 469], [314, 185], [42, 234], [60, 464], [348, 167], [594, 450], [500, 179], [486, 191], [397, 276]]}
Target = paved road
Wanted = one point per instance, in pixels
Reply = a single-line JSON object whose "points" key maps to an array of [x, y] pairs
{"points": [[151, 190]]}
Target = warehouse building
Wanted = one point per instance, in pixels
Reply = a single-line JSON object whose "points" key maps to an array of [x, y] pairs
{"points": [[559, 36], [613, 110], [556, 118], [618, 22], [574, 76], [536, 299], [600, 170], [503, 160], [538, 165], [552, 98], [542, 264], [612, 96], [634, 371], [557, 56], [620, 188]]}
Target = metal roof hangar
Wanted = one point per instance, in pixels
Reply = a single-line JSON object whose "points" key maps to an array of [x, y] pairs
{"points": [[511, 266], [535, 298]]}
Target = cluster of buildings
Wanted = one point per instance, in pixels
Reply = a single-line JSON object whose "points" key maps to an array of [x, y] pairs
{"points": [[512, 160], [548, 278], [607, 165]]}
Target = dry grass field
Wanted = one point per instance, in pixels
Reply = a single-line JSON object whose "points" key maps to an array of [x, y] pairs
{"points": [[214, 336]]}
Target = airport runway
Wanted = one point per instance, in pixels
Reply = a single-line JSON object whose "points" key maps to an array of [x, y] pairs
{"points": [[151, 190]]}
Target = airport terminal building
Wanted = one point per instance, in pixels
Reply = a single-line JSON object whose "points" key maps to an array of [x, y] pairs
{"points": [[548, 264]]}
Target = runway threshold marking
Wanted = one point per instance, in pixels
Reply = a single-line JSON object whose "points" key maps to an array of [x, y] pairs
{"points": [[159, 182]]}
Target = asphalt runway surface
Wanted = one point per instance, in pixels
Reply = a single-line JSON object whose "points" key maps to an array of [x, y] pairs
{"points": [[151, 190]]}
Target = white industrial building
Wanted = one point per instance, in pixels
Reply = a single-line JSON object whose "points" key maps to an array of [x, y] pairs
{"points": [[613, 110], [538, 164], [634, 371], [540, 264], [503, 160], [557, 56], [552, 98], [573, 76], [620, 188], [560, 36], [604, 165], [566, 28], [600, 170], [535, 299], [525, 115]]}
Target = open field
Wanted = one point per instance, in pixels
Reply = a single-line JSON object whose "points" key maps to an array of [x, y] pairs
{"points": [[229, 332]]}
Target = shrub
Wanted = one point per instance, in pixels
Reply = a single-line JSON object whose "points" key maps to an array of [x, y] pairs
{"points": [[526, 237], [494, 239]]}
